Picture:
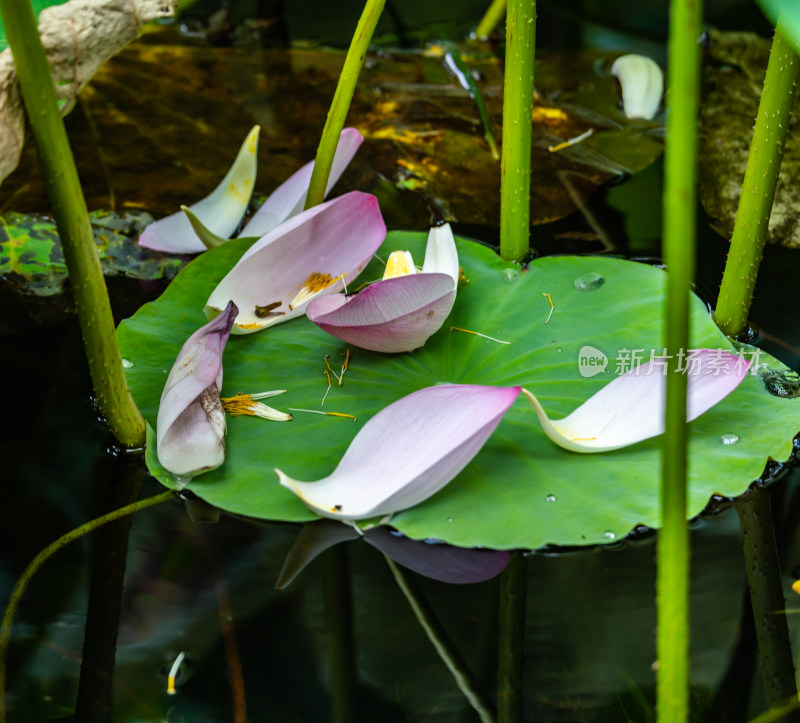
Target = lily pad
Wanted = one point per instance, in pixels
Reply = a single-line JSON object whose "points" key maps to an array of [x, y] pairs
{"points": [[521, 490]]}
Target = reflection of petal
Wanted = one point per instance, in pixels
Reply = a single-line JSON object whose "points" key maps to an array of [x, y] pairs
{"points": [[394, 315], [631, 408], [459, 565], [408, 451], [221, 211], [191, 423], [289, 198], [313, 252], [314, 538], [642, 84]]}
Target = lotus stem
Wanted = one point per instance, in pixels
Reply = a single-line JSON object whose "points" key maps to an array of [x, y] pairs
{"points": [[766, 596], [515, 165], [494, 14], [27, 574], [447, 652], [511, 640], [341, 101], [758, 189], [339, 625], [109, 552], [672, 587], [72, 220]]}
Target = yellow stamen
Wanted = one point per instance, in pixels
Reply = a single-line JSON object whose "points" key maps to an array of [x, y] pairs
{"points": [[399, 263], [173, 673], [477, 333], [327, 391], [327, 414], [313, 285], [267, 310], [345, 365], [571, 142], [247, 405], [552, 305]]}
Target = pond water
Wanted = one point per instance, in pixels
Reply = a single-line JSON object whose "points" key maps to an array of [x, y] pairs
{"points": [[341, 643]]}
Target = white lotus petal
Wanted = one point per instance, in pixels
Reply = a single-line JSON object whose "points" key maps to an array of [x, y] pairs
{"points": [[440, 253], [631, 407], [190, 429], [642, 84], [313, 253], [407, 452], [220, 212], [289, 198]]}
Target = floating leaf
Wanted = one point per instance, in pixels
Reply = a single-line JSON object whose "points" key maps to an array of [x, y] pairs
{"points": [[520, 490], [423, 130], [732, 83]]}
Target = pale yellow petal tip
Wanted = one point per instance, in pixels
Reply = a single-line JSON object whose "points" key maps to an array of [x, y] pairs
{"points": [[796, 586], [252, 139], [399, 263], [556, 433]]}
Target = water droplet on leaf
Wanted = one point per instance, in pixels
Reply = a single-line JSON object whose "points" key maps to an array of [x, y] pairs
{"points": [[589, 282], [728, 438], [510, 274], [609, 535], [550, 498], [127, 363]]}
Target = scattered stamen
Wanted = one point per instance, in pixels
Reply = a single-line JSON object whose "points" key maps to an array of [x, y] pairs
{"points": [[248, 405], [325, 396], [267, 310], [345, 365], [570, 142], [552, 306], [477, 333], [316, 283], [327, 414], [462, 279], [173, 673]]}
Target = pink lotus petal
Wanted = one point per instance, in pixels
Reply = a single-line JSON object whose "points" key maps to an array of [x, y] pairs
{"points": [[407, 452], [397, 314], [336, 238], [447, 563], [190, 429], [288, 199], [221, 211], [394, 315], [631, 407]]}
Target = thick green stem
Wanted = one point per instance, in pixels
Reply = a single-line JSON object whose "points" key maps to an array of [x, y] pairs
{"points": [[436, 634], [27, 574], [679, 245], [511, 640], [341, 101], [515, 168], [72, 219], [758, 189], [494, 14], [339, 624], [766, 596]]}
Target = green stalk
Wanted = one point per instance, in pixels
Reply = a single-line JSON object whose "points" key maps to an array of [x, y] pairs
{"points": [[22, 583], [511, 640], [341, 101], [766, 597], [72, 219], [494, 14], [436, 634], [679, 245], [515, 167], [758, 189]]}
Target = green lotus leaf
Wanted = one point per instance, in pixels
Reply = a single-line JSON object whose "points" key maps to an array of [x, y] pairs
{"points": [[521, 490]]}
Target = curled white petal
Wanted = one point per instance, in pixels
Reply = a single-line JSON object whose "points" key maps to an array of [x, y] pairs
{"points": [[642, 84]]}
